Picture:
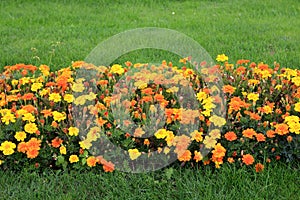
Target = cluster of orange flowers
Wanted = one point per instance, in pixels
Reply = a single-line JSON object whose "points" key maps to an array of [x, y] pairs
{"points": [[39, 127]]}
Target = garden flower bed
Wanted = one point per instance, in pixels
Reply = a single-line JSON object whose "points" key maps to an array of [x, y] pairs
{"points": [[44, 115]]}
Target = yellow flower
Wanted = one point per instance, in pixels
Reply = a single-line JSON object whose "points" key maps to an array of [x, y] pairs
{"points": [[43, 92], [8, 117], [36, 86], [201, 96], [134, 153], [278, 87], [161, 134], [91, 161], [45, 70], [1, 161], [14, 82], [296, 81], [196, 135], [73, 158], [140, 84], [31, 128], [63, 150], [252, 96], [68, 98], [57, 116], [91, 96], [28, 117], [85, 144], [222, 58], [73, 131], [297, 107], [20, 135], [7, 148], [55, 97], [80, 100], [78, 87], [218, 121], [265, 74], [209, 142], [172, 89], [117, 69]]}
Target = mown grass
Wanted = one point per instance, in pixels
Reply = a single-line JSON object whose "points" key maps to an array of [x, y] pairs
{"points": [[276, 182], [265, 31], [59, 32]]}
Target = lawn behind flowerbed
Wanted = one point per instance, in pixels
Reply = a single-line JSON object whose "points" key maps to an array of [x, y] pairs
{"points": [[57, 33]]}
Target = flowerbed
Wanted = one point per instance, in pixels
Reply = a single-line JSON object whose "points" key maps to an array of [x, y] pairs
{"points": [[53, 119]]}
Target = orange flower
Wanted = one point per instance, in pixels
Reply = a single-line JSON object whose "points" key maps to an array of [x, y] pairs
{"points": [[259, 167], [108, 166], [159, 97], [47, 113], [91, 161], [28, 96], [56, 142], [147, 91], [32, 153], [230, 136], [34, 143], [197, 156], [228, 89], [260, 137], [248, 159], [230, 160], [249, 133], [289, 138], [185, 156], [22, 147], [270, 133], [281, 129], [29, 108]]}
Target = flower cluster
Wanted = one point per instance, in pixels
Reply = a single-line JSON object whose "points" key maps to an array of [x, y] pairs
{"points": [[57, 119]]}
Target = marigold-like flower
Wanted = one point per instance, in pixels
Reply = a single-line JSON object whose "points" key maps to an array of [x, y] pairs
{"points": [[118, 69], [248, 159], [108, 166], [69, 98], [31, 128], [281, 129], [230, 136], [22, 147], [73, 159], [228, 89], [91, 161], [134, 153], [32, 153], [36, 86], [260, 137], [55, 97], [259, 167], [185, 156], [270, 133], [56, 142], [197, 156], [63, 150], [7, 147], [20, 135], [57, 116], [222, 58], [218, 121], [249, 133], [8, 117], [196, 135], [73, 131], [252, 96]]}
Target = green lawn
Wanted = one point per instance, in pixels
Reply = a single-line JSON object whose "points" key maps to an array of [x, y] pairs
{"points": [[277, 182], [265, 31], [59, 32]]}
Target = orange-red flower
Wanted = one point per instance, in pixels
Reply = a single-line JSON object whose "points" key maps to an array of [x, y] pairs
{"points": [[185, 156], [281, 129], [249, 133], [248, 159], [230, 136], [56, 142], [260, 137], [259, 167]]}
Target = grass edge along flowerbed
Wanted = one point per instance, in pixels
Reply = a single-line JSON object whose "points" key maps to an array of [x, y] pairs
{"points": [[38, 131]]}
